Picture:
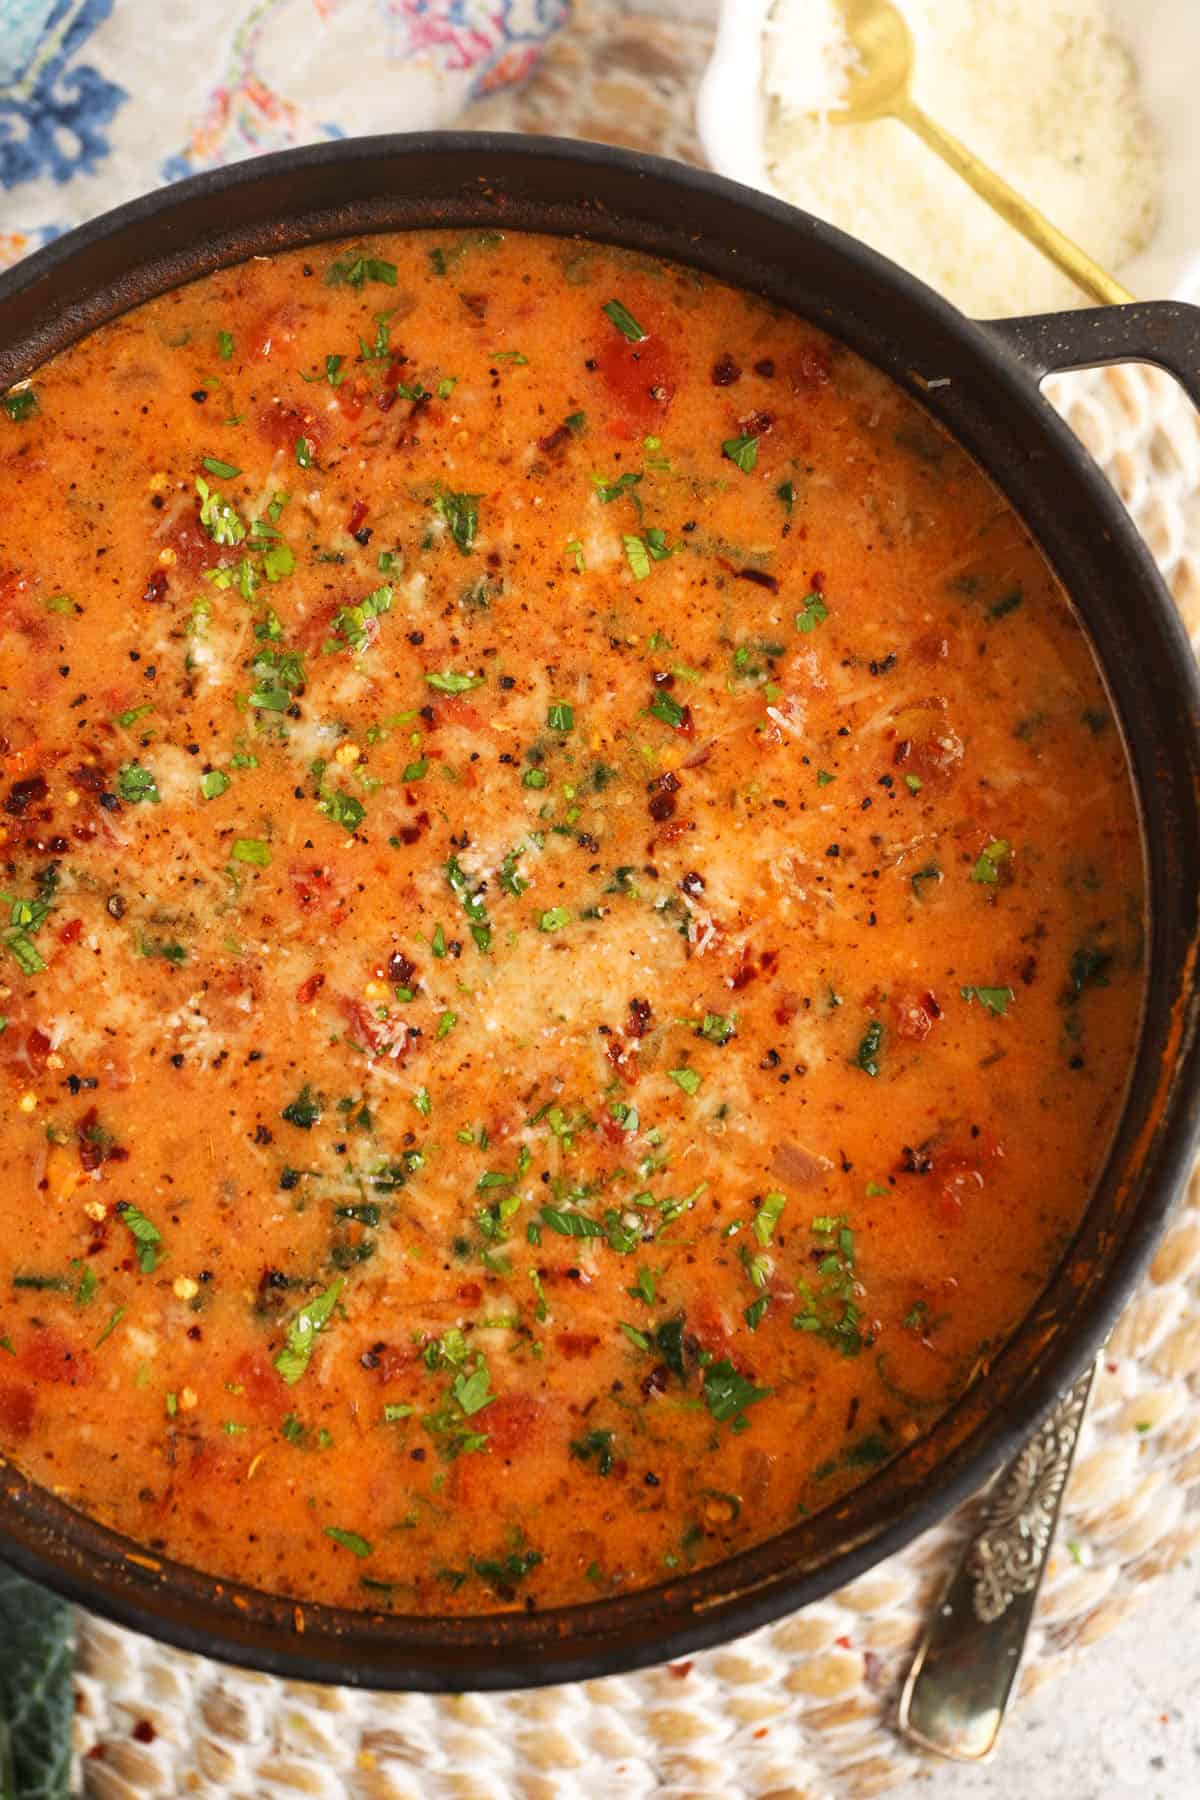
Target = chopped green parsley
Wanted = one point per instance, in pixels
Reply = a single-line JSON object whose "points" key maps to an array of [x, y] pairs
{"points": [[461, 513], [813, 612], [303, 1331], [623, 319], [135, 784], [987, 869], [146, 1236], [727, 1394], [742, 452], [447, 682], [992, 999]]}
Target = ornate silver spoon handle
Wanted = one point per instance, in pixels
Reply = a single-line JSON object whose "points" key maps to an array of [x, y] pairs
{"points": [[963, 1673]]}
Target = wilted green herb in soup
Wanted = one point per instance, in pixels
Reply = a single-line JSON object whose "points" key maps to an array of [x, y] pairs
{"points": [[567, 875]]}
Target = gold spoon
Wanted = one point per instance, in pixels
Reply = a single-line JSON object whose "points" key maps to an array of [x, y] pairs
{"points": [[880, 88]]}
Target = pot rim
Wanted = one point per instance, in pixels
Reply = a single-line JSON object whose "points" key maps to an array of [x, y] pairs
{"points": [[49, 1541]]}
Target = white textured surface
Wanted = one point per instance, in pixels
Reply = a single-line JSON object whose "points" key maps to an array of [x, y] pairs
{"points": [[1124, 1724]]}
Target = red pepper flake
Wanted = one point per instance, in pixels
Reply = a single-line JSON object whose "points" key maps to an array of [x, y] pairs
{"points": [[640, 1015], [309, 989], [663, 790], [24, 794], [358, 513], [680, 1670], [71, 932], [401, 969]]}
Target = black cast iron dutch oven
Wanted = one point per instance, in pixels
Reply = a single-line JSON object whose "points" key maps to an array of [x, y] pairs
{"points": [[981, 382]]}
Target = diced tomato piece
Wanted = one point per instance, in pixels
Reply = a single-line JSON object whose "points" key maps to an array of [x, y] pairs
{"points": [[931, 647], [12, 586], [383, 1037], [21, 611], [960, 1178], [515, 1428], [612, 1132], [23, 1053], [49, 1355], [274, 331], [914, 1014], [812, 368], [454, 710], [315, 630], [211, 1460], [707, 1323], [17, 1407], [263, 1386], [16, 610], [624, 1060], [642, 377], [395, 1360], [282, 425], [798, 1166], [194, 550], [318, 889], [935, 759], [758, 1469], [511, 1423], [924, 745], [744, 971], [22, 750]]}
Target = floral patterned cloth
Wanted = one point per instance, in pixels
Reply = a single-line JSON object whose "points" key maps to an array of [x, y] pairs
{"points": [[102, 99]]}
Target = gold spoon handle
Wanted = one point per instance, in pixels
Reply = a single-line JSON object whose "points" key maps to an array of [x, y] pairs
{"points": [[966, 1665], [1019, 213]]}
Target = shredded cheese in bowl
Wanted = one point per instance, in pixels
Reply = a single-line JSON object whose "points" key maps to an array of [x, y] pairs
{"points": [[1044, 91]]}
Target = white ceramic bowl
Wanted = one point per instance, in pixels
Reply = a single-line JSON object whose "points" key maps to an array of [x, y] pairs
{"points": [[1164, 36]]}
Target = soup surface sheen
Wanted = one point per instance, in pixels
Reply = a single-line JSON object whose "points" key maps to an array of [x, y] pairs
{"points": [[572, 922]]}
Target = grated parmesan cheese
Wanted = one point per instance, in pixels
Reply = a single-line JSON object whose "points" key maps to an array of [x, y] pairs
{"points": [[1042, 90]]}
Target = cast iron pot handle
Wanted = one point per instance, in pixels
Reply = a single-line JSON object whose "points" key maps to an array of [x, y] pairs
{"points": [[1163, 332]]}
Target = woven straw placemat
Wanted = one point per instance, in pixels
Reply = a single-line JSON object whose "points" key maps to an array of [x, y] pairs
{"points": [[802, 1709]]}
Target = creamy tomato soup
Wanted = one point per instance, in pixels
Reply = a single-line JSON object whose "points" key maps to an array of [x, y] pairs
{"points": [[572, 917]]}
